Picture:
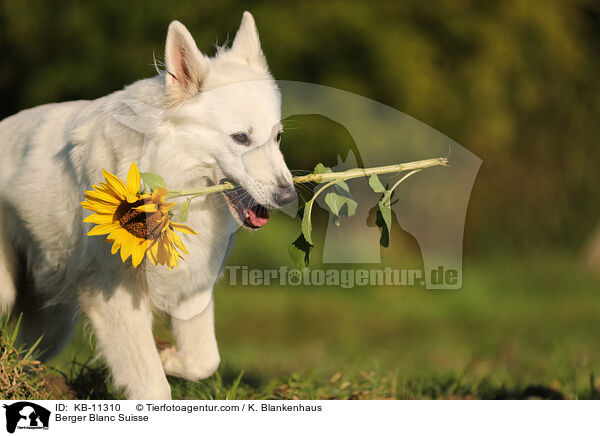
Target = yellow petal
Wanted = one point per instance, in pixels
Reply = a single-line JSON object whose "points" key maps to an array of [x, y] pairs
{"points": [[102, 229], [137, 253], [115, 183], [164, 208], [162, 254], [159, 195], [153, 253], [132, 198], [133, 179], [104, 199], [97, 206], [115, 247], [106, 190], [183, 228], [119, 234], [177, 241], [126, 247], [148, 208], [173, 255], [98, 218], [101, 196], [173, 262]]}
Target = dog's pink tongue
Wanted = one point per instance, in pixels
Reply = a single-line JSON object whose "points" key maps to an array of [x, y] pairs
{"points": [[258, 216]]}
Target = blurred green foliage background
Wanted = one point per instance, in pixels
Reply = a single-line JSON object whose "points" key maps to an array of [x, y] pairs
{"points": [[516, 82]]}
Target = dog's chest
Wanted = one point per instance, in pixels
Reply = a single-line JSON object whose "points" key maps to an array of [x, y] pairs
{"points": [[186, 290]]}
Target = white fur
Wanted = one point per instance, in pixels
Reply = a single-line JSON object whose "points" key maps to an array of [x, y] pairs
{"points": [[52, 153]]}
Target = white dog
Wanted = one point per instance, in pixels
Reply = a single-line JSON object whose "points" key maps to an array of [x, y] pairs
{"points": [[210, 119]]}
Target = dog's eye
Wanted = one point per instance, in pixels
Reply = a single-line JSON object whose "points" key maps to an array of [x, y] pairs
{"points": [[241, 138], [278, 138]]}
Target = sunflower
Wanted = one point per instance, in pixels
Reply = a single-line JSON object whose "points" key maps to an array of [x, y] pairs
{"points": [[136, 222]]}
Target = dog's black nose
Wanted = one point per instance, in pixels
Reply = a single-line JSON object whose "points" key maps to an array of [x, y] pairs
{"points": [[285, 196]]}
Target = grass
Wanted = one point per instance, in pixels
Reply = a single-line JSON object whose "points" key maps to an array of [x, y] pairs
{"points": [[22, 376], [519, 328]]}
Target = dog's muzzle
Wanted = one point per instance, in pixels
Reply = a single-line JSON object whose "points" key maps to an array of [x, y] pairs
{"points": [[285, 195]]}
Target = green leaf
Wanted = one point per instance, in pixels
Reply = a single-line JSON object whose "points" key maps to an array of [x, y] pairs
{"points": [[342, 186], [385, 208], [384, 218], [183, 212], [384, 215], [306, 224], [341, 203], [299, 251], [17, 327], [321, 169], [153, 181], [32, 350], [384, 240], [231, 394], [376, 184]]}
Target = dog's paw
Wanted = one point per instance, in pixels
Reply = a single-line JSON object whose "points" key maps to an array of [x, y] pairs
{"points": [[188, 368]]}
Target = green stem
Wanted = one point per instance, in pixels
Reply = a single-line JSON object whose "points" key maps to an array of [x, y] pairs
{"points": [[200, 192], [366, 172], [326, 177], [314, 197], [404, 178]]}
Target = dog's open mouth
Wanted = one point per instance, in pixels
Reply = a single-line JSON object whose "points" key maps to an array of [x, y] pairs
{"points": [[245, 208]]}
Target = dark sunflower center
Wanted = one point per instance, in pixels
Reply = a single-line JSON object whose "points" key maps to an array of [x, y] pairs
{"points": [[141, 224]]}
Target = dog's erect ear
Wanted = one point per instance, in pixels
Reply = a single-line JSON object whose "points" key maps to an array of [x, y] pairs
{"points": [[246, 45], [186, 66]]}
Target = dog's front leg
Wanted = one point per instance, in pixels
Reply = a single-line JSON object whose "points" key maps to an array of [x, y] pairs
{"points": [[196, 355], [122, 322]]}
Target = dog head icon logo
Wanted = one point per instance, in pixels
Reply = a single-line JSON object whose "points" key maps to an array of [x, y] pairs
{"points": [[26, 415]]}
